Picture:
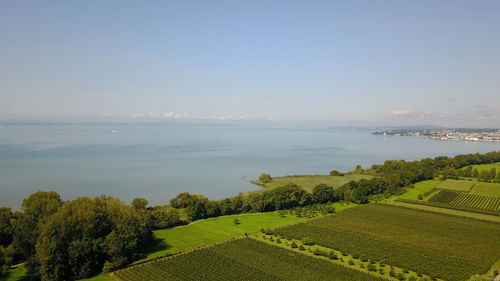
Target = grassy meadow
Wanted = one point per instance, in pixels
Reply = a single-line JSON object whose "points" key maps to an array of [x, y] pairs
{"points": [[241, 259], [486, 167], [213, 230], [486, 188], [456, 185], [308, 182], [407, 238], [422, 187]]}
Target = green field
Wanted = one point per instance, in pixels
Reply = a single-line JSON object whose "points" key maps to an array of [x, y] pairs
{"points": [[464, 199], [241, 259], [456, 185], [486, 167], [422, 187], [425, 206], [486, 188], [308, 182], [212, 230], [443, 246]]}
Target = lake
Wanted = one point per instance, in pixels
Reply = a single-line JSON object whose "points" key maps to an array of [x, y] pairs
{"points": [[157, 161]]}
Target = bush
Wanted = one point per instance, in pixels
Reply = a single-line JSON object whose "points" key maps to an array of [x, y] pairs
{"points": [[308, 241], [336, 173], [294, 245], [265, 178]]}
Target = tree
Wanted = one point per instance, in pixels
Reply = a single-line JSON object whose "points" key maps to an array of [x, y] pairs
{"points": [[236, 221], [85, 233], [140, 203], [165, 217], [265, 178], [493, 174], [35, 210], [196, 209], [181, 200], [336, 173], [323, 193], [6, 230]]}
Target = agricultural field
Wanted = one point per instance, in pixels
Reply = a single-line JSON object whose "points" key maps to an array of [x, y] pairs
{"points": [[486, 188], [426, 206], [407, 238], [456, 185], [241, 259], [308, 182], [423, 187], [467, 200], [212, 230]]}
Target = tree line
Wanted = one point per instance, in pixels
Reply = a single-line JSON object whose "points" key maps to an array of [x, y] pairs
{"points": [[79, 238]]}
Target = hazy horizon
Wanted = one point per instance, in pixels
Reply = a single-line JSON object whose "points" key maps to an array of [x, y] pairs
{"points": [[349, 63]]}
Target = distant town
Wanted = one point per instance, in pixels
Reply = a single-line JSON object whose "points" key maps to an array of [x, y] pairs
{"points": [[492, 135]]}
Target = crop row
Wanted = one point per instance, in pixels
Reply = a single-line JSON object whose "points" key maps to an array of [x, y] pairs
{"points": [[416, 240], [467, 200], [241, 259]]}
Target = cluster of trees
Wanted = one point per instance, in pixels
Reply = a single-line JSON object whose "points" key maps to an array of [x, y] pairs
{"points": [[485, 176], [73, 239]]}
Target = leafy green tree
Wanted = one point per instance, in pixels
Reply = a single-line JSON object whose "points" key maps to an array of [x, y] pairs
{"points": [[196, 209], [165, 217], [140, 203], [467, 172], [236, 221], [34, 211], [265, 178], [83, 234], [323, 193], [6, 231], [493, 173], [336, 173]]}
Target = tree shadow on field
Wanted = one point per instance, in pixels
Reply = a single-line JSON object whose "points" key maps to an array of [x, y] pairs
{"points": [[155, 246]]}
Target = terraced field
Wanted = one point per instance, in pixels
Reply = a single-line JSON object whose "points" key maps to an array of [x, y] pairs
{"points": [[241, 259], [448, 247], [467, 200]]}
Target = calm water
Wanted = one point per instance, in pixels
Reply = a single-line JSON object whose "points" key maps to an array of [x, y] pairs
{"points": [[158, 161]]}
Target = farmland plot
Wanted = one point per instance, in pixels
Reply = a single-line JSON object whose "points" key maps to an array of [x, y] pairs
{"points": [[417, 240], [241, 259]]}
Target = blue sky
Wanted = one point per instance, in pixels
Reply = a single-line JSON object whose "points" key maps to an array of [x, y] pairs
{"points": [[340, 62]]}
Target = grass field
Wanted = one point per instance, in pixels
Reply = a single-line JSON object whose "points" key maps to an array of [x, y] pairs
{"points": [[486, 167], [456, 185], [486, 188], [212, 230], [308, 182], [420, 188], [241, 259], [443, 246]]}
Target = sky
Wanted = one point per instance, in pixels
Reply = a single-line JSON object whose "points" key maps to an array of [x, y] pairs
{"points": [[339, 62]]}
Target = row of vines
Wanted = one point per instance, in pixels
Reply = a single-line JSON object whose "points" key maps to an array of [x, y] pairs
{"points": [[467, 200], [240, 259]]}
